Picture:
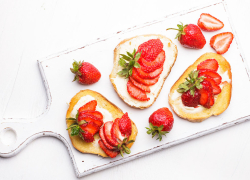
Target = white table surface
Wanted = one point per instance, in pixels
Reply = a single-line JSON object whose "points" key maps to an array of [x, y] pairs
{"points": [[30, 30]]}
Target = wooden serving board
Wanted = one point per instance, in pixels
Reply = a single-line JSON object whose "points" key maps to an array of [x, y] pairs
{"points": [[60, 89]]}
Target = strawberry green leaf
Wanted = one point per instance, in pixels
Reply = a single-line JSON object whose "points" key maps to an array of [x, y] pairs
{"points": [[122, 62], [130, 55], [137, 65]]}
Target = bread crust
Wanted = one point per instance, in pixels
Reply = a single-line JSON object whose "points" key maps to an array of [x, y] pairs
{"points": [[116, 59], [222, 100], [116, 112]]}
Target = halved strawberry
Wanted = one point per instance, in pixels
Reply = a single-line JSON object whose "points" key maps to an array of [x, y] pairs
{"points": [[94, 113], [125, 125], [91, 105], [115, 131], [209, 23], [150, 75], [110, 153], [204, 97], [221, 42], [107, 133], [89, 118], [150, 66], [147, 82], [87, 137], [210, 64], [216, 88], [136, 92], [102, 136], [211, 74], [139, 85], [206, 85], [150, 49], [91, 127]]}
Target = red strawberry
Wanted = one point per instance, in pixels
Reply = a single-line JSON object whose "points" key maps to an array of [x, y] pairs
{"points": [[94, 113], [216, 88], [204, 96], [190, 100], [102, 136], [115, 131], [109, 152], [150, 49], [221, 42], [125, 125], [136, 92], [211, 74], [91, 127], [150, 75], [160, 122], [150, 66], [206, 85], [139, 85], [209, 23], [85, 72], [190, 36], [89, 118], [91, 105], [210, 64], [107, 133], [147, 82], [87, 137]]}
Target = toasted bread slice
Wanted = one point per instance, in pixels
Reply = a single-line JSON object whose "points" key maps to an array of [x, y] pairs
{"points": [[120, 83], [222, 100], [103, 103]]}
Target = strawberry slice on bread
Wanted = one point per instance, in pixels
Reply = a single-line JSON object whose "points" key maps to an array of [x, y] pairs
{"points": [[203, 90]]}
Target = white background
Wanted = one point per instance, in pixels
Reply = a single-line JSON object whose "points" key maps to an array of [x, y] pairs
{"points": [[30, 30]]}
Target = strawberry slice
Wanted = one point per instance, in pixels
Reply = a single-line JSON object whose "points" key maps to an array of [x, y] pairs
{"points": [[89, 118], [91, 127], [221, 42], [139, 85], [107, 133], [204, 97], [147, 82], [216, 88], [150, 49], [136, 92], [94, 113], [211, 74], [109, 152], [102, 136], [206, 85], [150, 75], [209, 23], [210, 64], [115, 131], [150, 66], [91, 105], [87, 137], [125, 125]]}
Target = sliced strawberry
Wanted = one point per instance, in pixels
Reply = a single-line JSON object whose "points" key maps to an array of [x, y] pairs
{"points": [[139, 85], [115, 131], [102, 136], [150, 49], [91, 105], [210, 64], [87, 137], [90, 118], [204, 97], [211, 74], [125, 125], [206, 85], [94, 113], [110, 153], [150, 66], [209, 23], [136, 92], [221, 42], [147, 82], [216, 88], [150, 75], [91, 127], [107, 133]]}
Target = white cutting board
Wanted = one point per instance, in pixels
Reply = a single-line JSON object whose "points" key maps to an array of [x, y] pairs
{"points": [[60, 89]]}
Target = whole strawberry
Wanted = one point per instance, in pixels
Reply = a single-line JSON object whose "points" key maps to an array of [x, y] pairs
{"points": [[85, 73], [160, 122], [190, 36]]}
